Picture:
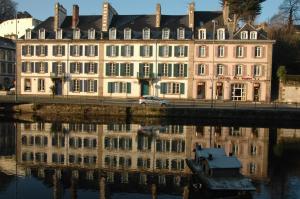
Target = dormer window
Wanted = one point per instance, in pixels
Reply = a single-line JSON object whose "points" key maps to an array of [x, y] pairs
{"points": [[202, 34], [180, 33], [76, 34], [59, 34], [28, 34], [146, 33], [244, 35], [112, 33], [91, 33], [165, 33], [221, 34], [253, 35], [127, 34], [42, 34]]}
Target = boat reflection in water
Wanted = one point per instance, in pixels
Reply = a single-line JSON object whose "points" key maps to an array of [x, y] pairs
{"points": [[128, 159]]}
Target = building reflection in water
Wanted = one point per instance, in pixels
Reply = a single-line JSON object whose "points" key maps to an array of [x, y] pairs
{"points": [[129, 157]]}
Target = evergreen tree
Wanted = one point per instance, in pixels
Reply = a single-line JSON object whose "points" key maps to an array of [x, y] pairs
{"points": [[7, 9]]}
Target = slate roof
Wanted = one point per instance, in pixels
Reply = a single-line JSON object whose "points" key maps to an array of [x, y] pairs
{"points": [[216, 152], [261, 35], [7, 43], [224, 162]]}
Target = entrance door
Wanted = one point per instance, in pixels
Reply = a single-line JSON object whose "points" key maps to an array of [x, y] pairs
{"points": [[219, 91], [144, 88], [201, 91], [58, 87], [238, 92], [256, 94]]}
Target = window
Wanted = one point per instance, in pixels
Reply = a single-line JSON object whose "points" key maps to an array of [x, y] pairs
{"points": [[43, 66], [253, 150], [27, 85], [173, 88], [58, 50], [238, 70], [41, 85], [76, 34], [127, 70], [76, 50], [41, 50], [257, 71], [201, 69], [202, 51], [220, 69], [221, 34], [165, 51], [113, 33], [238, 92], [58, 34], [42, 33], [60, 68], [181, 70], [112, 51], [165, 70], [244, 35], [146, 70], [235, 149], [146, 51], [77, 68], [165, 33], [119, 87], [221, 51], [128, 51], [26, 51], [252, 168], [181, 51], [180, 33], [91, 33], [91, 68], [112, 69], [28, 34], [127, 33], [91, 50], [76, 84], [202, 34], [146, 33], [240, 51], [258, 51], [91, 85], [253, 35]]}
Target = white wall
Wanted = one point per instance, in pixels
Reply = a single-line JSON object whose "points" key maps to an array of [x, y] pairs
{"points": [[9, 27]]}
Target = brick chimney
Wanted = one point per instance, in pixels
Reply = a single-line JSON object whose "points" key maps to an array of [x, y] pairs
{"points": [[108, 13], [158, 16], [60, 14], [226, 12], [191, 15], [75, 16]]}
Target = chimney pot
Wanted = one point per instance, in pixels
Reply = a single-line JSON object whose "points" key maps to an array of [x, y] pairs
{"points": [[158, 15], [75, 16]]}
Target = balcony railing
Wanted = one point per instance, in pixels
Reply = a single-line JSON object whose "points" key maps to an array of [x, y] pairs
{"points": [[146, 75], [57, 75]]}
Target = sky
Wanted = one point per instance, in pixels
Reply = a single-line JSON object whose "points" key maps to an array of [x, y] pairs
{"points": [[41, 9]]}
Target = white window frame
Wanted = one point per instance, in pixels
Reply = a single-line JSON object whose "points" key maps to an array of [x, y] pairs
{"points": [[112, 33], [42, 67], [25, 85], [59, 34], [257, 71], [165, 33], [146, 33], [127, 51], [28, 67], [59, 50], [181, 33], [165, 50], [77, 50], [127, 34], [253, 35], [43, 50], [76, 85], [91, 86], [244, 35], [112, 69], [220, 69], [41, 85], [127, 70], [221, 34], [113, 52], [76, 34], [59, 68], [201, 69], [173, 88], [202, 51], [92, 67], [181, 70], [28, 34], [91, 33], [165, 70], [221, 51], [240, 51], [202, 34], [146, 70], [42, 33], [238, 70], [92, 50], [258, 51], [147, 51], [181, 51]]}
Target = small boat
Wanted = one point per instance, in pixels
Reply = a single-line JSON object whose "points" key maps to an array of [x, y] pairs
{"points": [[218, 172]]}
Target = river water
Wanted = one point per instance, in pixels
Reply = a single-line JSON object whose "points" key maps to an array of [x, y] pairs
{"points": [[138, 160]]}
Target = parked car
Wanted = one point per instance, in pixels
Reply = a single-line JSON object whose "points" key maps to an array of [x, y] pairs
{"points": [[152, 100]]}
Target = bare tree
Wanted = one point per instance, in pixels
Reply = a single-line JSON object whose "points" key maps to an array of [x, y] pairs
{"points": [[289, 11], [7, 9]]}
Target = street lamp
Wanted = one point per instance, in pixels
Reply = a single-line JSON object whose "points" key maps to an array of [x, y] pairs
{"points": [[213, 63], [16, 17]]}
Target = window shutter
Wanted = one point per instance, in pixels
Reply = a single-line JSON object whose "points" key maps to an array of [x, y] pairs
{"points": [[32, 50], [96, 68], [123, 66], [81, 85], [87, 50], [86, 86], [32, 67], [72, 86], [131, 70], [176, 53], [186, 51], [170, 51], [37, 67], [169, 70], [63, 50], [160, 69], [107, 69], [122, 51], [38, 50], [142, 53], [24, 67], [245, 70], [160, 53], [151, 69], [72, 67], [63, 67], [46, 67], [263, 55], [109, 87], [117, 50], [235, 51], [95, 86], [54, 67], [263, 70], [253, 52], [141, 69], [233, 70], [225, 51], [80, 68], [23, 50], [108, 51], [245, 51], [181, 88], [81, 50], [151, 51], [72, 52], [225, 70], [86, 67], [176, 70], [163, 88], [46, 50], [132, 51], [128, 88], [185, 70], [117, 70]]}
